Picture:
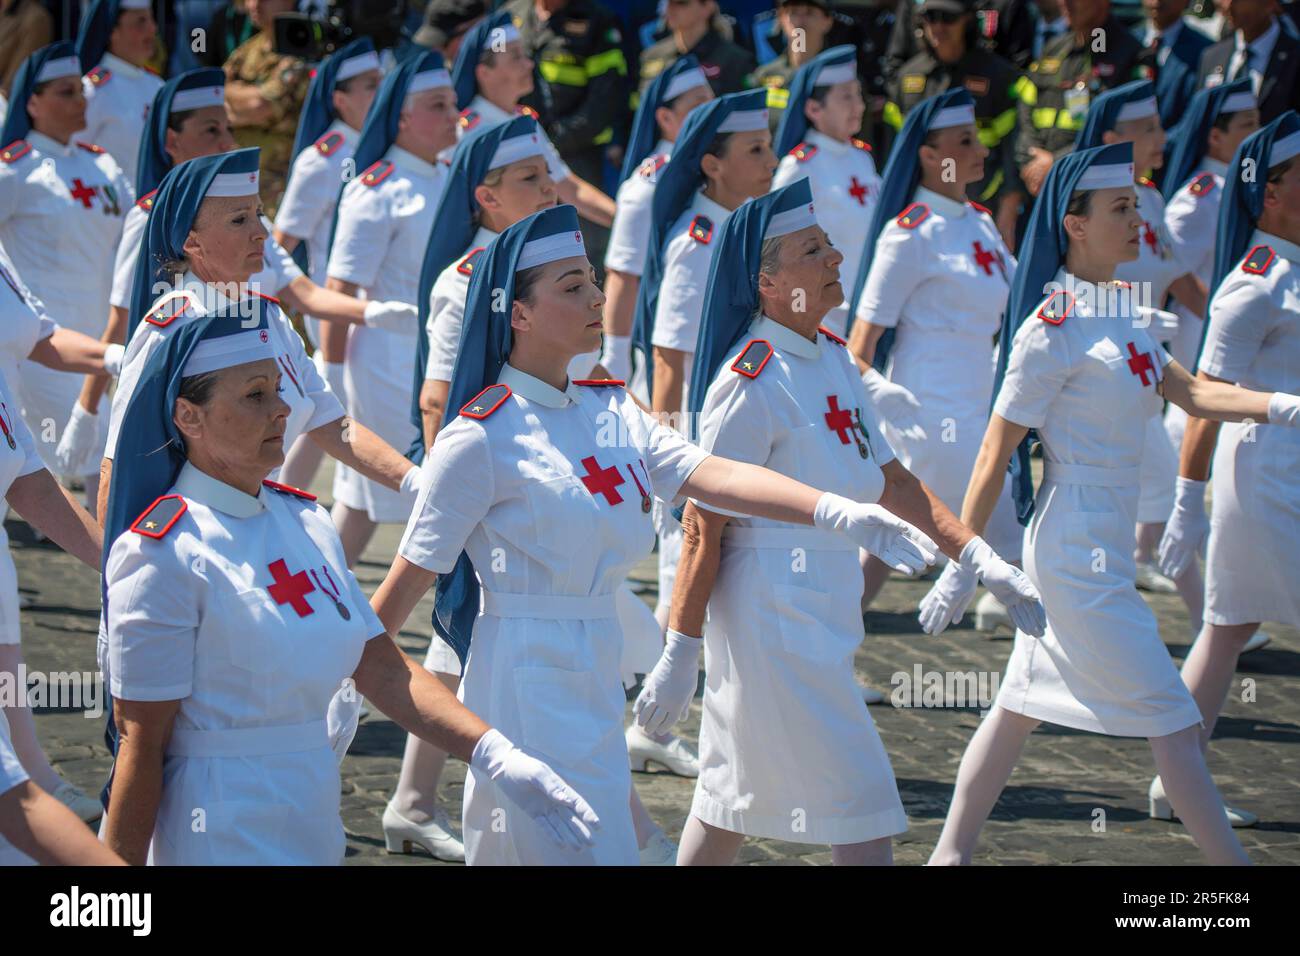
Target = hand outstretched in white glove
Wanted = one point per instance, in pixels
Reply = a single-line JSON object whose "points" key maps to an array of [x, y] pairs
{"points": [[79, 443], [951, 595], [537, 790], [669, 688], [390, 316], [895, 403], [890, 538], [1187, 529]]}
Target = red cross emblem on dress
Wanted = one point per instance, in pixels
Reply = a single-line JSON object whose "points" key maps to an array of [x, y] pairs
{"points": [[602, 481], [290, 589], [1139, 363], [858, 190], [984, 259], [1149, 237], [838, 419], [82, 192]]}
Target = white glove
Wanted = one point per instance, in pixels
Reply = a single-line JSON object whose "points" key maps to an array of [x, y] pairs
{"points": [[948, 599], [342, 718], [895, 403], [333, 374], [1284, 409], [537, 790], [113, 359], [79, 442], [410, 481], [1186, 530], [890, 538], [1159, 321], [390, 316], [669, 688]]}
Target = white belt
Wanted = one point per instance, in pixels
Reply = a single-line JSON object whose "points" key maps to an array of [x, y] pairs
{"points": [[576, 607], [787, 539], [248, 741], [1060, 474]]}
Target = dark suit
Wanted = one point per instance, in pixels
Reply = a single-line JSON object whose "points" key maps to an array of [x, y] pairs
{"points": [[1280, 90], [1176, 79]]}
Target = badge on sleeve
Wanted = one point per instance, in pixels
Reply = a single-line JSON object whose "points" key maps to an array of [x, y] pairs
{"points": [[169, 308], [329, 143], [486, 402], [377, 173], [469, 119], [650, 167], [527, 111], [1056, 308], [15, 151], [913, 215], [159, 517], [466, 266], [803, 152], [145, 202], [861, 144], [701, 230], [1258, 260], [1202, 184], [752, 358], [99, 76]]}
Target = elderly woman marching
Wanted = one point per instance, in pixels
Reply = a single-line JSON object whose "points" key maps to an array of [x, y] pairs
{"points": [[933, 282], [1252, 337], [233, 620], [1083, 369], [787, 747], [554, 513]]}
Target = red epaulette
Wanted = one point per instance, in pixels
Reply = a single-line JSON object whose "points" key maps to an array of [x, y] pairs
{"points": [[377, 173], [268, 298], [612, 382], [1258, 260], [831, 335], [752, 358], [156, 520], [145, 202], [651, 165], [329, 143], [527, 111], [99, 76], [1056, 308], [803, 152], [701, 229], [181, 299], [288, 489], [861, 144], [90, 147], [466, 266], [1202, 184], [983, 209], [913, 215], [486, 402], [1146, 182], [469, 118], [15, 151]]}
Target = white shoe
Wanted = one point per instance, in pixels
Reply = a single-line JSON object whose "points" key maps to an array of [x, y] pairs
{"points": [[1257, 640], [991, 615], [660, 851], [87, 809], [436, 836], [675, 756], [1150, 579], [1159, 808], [871, 696]]}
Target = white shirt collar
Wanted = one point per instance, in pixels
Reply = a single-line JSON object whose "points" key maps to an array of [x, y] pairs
{"points": [[1212, 165], [822, 141], [1287, 250], [411, 163], [207, 297], [703, 204], [1167, 37], [1262, 47], [783, 338], [481, 239], [488, 111], [948, 208], [115, 64], [47, 145], [664, 147], [350, 135], [535, 390], [201, 487]]}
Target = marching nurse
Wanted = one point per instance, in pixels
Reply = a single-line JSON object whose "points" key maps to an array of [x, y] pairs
{"points": [[933, 281], [663, 108], [1252, 337], [61, 207], [523, 499], [233, 621], [1084, 371], [787, 747]]}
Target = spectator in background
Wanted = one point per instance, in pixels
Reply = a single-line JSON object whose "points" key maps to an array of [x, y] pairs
{"points": [[805, 25], [1004, 27], [872, 26], [25, 27], [1049, 24], [186, 17], [951, 57], [264, 95], [1262, 48], [1171, 53], [690, 22], [445, 24], [229, 29]]}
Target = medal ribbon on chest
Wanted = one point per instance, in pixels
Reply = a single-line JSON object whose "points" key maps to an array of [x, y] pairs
{"points": [[645, 496], [333, 592], [7, 424]]}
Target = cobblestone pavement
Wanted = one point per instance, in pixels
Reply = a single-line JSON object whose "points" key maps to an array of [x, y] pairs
{"points": [[1075, 797]]}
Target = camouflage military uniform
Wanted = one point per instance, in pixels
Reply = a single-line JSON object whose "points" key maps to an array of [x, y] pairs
{"points": [[282, 81]]}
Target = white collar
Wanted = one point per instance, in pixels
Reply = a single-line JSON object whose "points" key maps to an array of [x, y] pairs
{"points": [[1167, 36], [206, 297], [115, 64], [350, 135], [481, 239], [783, 338], [411, 163], [703, 204], [948, 208], [663, 147], [819, 139], [488, 111], [201, 487], [1262, 46], [535, 390], [1212, 165], [1287, 250], [48, 145]]}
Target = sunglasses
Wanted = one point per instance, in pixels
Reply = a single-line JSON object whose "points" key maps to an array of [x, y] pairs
{"points": [[940, 16]]}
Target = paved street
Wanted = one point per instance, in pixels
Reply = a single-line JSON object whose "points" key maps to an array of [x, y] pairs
{"points": [[1075, 798]]}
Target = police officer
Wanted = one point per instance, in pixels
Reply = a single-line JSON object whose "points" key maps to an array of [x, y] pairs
{"points": [[1065, 80], [805, 25], [726, 65], [951, 57], [264, 95]]}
